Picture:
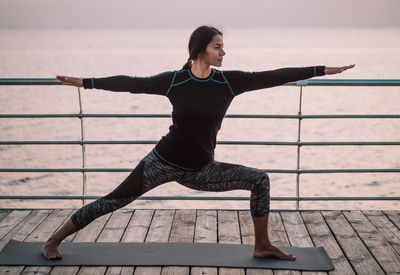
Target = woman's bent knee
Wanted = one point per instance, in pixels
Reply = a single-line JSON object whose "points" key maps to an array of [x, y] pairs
{"points": [[263, 180]]}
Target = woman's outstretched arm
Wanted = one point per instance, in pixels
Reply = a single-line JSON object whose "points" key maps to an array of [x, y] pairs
{"points": [[242, 81], [156, 84]]}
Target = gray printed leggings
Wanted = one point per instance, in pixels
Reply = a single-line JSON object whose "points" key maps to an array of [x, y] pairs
{"points": [[152, 172]]}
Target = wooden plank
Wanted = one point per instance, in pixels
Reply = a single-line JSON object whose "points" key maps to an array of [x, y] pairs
{"points": [[379, 247], [296, 230], [9, 222], [20, 232], [4, 213], [112, 232], [26, 225], [138, 226], [229, 232], [205, 232], [297, 233], [206, 226], [88, 234], [247, 233], [394, 216], [276, 230], [322, 236], [182, 231], [135, 232], [115, 226], [386, 227], [159, 232], [42, 233], [354, 249]]}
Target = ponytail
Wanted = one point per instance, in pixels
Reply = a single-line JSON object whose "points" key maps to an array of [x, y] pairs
{"points": [[187, 65]]}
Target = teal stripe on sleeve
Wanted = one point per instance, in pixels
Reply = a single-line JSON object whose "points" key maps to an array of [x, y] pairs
{"points": [[233, 94], [170, 86]]}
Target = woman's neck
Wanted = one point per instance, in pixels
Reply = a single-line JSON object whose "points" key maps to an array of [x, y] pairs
{"points": [[200, 69]]}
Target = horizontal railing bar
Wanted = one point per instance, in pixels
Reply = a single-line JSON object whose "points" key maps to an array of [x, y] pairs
{"points": [[136, 142], [38, 142], [346, 82], [169, 115], [314, 143], [350, 143], [305, 82], [311, 171], [347, 116], [200, 198], [301, 171], [83, 115], [30, 81], [12, 170], [134, 115]]}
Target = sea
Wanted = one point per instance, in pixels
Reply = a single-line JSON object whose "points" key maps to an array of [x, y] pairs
{"points": [[46, 53]]}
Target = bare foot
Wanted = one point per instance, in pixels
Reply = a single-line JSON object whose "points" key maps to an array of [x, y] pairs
{"points": [[273, 252], [50, 251]]}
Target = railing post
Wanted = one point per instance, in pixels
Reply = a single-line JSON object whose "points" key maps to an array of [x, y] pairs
{"points": [[298, 152], [83, 149]]}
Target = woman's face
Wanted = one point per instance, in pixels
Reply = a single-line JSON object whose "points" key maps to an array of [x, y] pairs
{"points": [[214, 52]]}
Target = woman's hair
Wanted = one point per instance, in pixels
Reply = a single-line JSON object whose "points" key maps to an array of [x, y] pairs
{"points": [[199, 39]]}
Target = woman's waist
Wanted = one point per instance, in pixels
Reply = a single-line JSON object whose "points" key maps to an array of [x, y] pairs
{"points": [[184, 154]]}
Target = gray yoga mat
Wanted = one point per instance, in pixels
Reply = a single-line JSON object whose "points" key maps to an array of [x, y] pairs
{"points": [[163, 254]]}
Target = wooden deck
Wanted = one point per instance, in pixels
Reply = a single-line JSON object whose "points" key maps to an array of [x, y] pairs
{"points": [[358, 242]]}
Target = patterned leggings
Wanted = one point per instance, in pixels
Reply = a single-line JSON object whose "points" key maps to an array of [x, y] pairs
{"points": [[152, 172]]}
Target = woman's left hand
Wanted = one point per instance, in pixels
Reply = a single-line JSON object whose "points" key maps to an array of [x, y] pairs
{"points": [[336, 70]]}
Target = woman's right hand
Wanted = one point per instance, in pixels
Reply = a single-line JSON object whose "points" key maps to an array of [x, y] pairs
{"points": [[72, 81]]}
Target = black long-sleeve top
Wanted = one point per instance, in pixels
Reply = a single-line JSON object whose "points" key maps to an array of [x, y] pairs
{"points": [[199, 104]]}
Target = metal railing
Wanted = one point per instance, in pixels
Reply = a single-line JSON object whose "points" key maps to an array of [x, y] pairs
{"points": [[298, 143]]}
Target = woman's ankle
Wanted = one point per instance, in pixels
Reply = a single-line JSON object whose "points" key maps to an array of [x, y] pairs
{"points": [[262, 245], [67, 229], [53, 241]]}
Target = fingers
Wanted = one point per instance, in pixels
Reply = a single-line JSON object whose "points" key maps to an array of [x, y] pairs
{"points": [[66, 80], [62, 78], [342, 69]]}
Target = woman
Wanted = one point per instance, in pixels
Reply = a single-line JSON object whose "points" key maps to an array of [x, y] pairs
{"points": [[200, 97]]}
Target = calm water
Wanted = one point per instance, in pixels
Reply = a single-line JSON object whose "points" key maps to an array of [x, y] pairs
{"points": [[97, 53]]}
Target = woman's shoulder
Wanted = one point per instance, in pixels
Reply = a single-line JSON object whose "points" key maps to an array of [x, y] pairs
{"points": [[233, 74], [234, 71]]}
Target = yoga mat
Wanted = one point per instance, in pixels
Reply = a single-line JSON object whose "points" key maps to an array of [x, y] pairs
{"points": [[163, 254]]}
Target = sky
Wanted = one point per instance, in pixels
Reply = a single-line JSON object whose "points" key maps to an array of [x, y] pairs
{"points": [[188, 14]]}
